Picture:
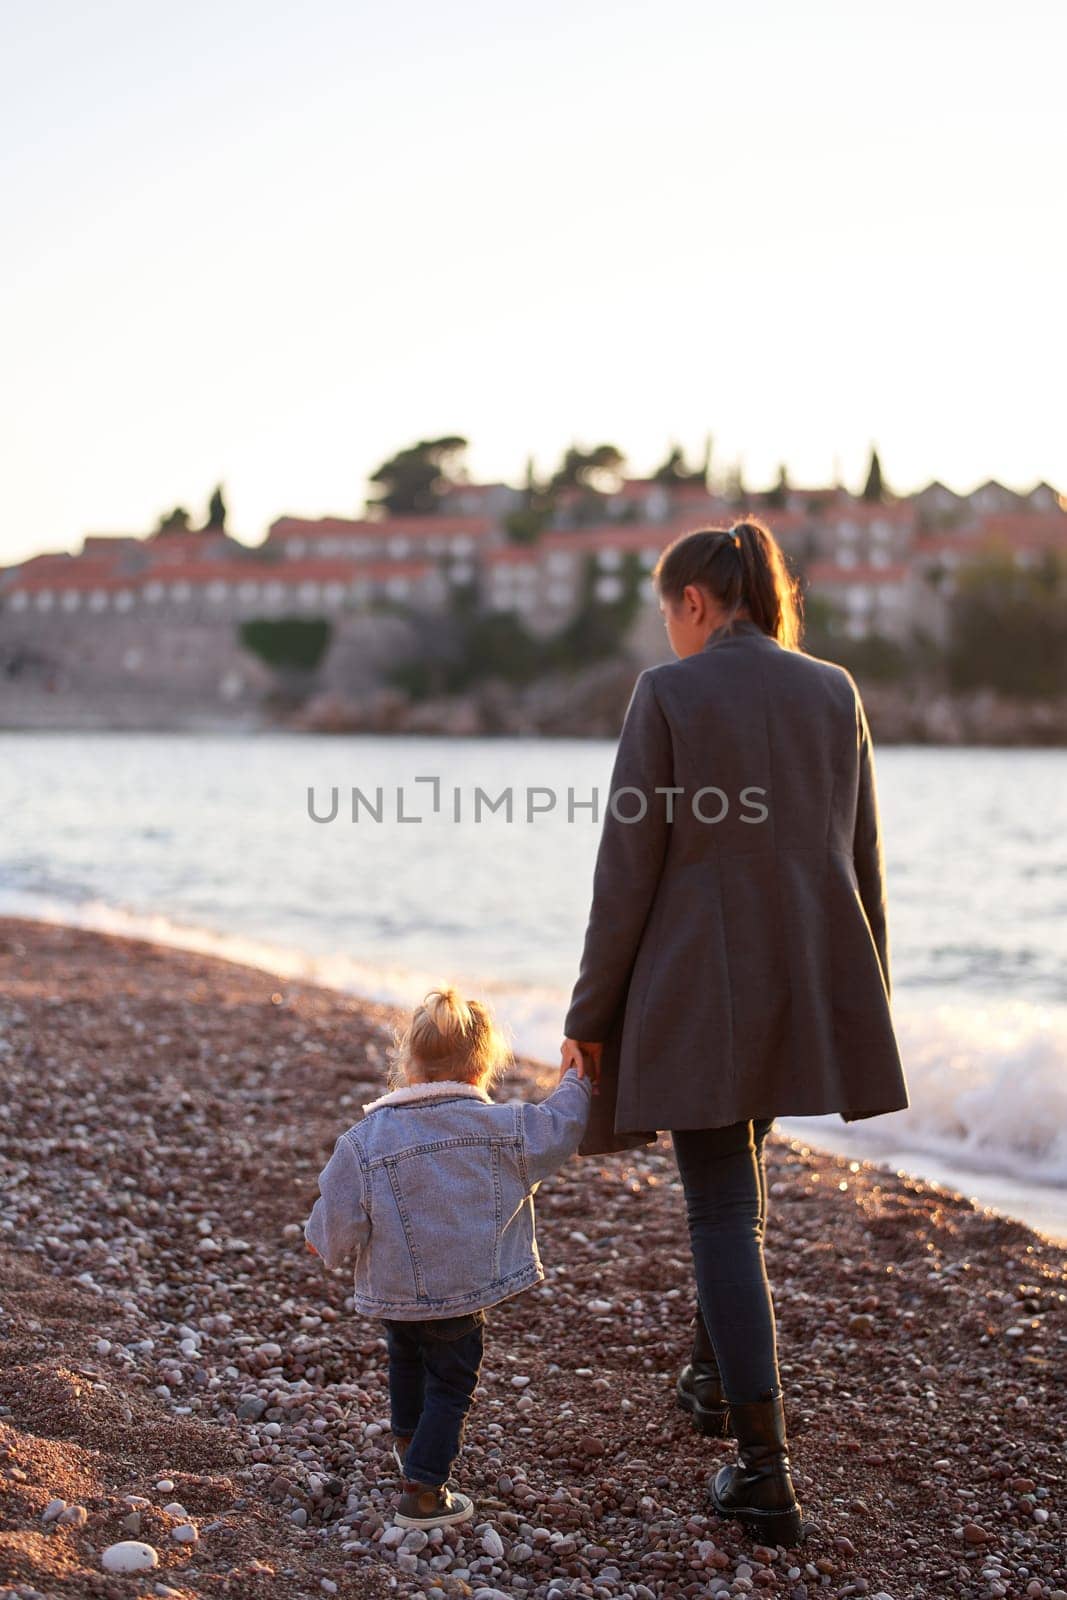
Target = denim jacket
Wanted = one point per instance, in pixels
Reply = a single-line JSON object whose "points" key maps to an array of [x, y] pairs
{"points": [[432, 1192]]}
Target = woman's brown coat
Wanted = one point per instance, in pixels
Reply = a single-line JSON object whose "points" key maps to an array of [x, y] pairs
{"points": [[738, 966]]}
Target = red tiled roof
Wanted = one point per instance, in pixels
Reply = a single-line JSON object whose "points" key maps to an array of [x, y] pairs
{"points": [[389, 528], [612, 536], [829, 572], [934, 543], [185, 549], [41, 563], [1018, 530], [103, 576], [74, 573], [1033, 528], [640, 535], [337, 569], [900, 511]]}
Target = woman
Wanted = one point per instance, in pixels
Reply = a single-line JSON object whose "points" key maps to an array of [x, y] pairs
{"points": [[736, 962]]}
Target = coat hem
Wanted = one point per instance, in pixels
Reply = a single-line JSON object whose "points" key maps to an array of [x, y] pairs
{"points": [[725, 1120]]}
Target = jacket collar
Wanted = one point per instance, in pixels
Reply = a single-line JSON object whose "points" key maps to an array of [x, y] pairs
{"points": [[740, 626], [410, 1093]]}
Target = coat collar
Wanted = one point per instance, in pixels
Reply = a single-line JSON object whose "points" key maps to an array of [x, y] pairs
{"points": [[410, 1093], [741, 626]]}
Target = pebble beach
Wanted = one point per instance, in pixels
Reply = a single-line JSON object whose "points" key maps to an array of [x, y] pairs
{"points": [[181, 1379]]}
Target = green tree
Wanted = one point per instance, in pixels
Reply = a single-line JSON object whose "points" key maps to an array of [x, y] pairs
{"points": [[216, 512], [778, 497], [526, 525], [874, 489], [176, 521], [598, 470], [413, 480], [676, 470], [1008, 625], [734, 488], [287, 643]]}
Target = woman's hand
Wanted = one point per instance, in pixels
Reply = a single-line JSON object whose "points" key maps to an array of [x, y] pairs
{"points": [[584, 1056]]}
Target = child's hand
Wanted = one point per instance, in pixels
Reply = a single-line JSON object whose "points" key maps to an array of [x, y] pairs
{"points": [[584, 1056]]}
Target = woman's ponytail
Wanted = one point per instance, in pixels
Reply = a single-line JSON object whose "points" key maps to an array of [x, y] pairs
{"points": [[744, 569], [768, 589]]}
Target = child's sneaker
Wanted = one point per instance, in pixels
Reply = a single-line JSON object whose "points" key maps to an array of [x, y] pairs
{"points": [[422, 1506]]}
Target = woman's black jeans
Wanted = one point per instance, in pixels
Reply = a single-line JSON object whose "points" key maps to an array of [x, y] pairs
{"points": [[433, 1373], [725, 1188]]}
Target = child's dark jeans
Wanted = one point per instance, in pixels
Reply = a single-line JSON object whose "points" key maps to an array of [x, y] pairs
{"points": [[433, 1373]]}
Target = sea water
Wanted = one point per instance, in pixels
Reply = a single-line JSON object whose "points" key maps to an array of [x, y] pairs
{"points": [[382, 866]]}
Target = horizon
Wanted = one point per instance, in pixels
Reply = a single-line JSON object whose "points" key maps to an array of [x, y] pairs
{"points": [[249, 251]]}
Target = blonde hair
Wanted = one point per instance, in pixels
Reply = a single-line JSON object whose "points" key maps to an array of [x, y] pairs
{"points": [[447, 1038]]}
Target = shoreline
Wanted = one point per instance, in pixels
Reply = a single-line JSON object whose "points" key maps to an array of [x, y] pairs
{"points": [[588, 704], [167, 1114], [1041, 1205]]}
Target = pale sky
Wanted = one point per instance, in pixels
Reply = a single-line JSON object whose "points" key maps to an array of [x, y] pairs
{"points": [[270, 244]]}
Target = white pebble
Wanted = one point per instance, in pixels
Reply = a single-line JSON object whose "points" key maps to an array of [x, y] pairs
{"points": [[492, 1544], [129, 1555], [165, 1485], [519, 1382], [52, 1510], [185, 1534], [175, 1509]]}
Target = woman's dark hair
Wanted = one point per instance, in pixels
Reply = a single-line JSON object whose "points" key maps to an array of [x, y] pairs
{"points": [[744, 569]]}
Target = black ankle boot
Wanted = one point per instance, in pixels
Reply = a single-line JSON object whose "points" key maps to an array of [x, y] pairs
{"points": [[758, 1491], [699, 1390], [699, 1387]]}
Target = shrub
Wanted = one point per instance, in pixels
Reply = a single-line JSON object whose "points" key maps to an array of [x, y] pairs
{"points": [[287, 643]]}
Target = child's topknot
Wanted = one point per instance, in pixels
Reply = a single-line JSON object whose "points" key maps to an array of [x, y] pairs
{"points": [[449, 1037]]}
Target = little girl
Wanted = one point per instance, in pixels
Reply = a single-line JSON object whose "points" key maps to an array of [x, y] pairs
{"points": [[432, 1192]]}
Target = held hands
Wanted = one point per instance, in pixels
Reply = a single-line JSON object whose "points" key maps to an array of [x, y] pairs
{"points": [[584, 1056]]}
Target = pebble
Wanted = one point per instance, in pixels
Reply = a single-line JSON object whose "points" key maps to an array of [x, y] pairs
{"points": [[129, 1555], [184, 1533], [492, 1544], [597, 1483]]}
